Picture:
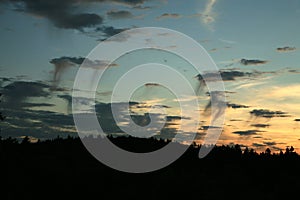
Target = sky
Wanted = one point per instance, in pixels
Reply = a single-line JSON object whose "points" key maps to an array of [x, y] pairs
{"points": [[255, 44]]}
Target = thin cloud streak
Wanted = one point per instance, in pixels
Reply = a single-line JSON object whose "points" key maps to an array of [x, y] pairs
{"points": [[208, 16]]}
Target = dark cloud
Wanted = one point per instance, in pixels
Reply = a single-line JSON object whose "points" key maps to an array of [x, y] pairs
{"points": [[220, 105], [297, 120], [131, 3], [61, 13], [108, 31], [168, 15], [252, 62], [205, 128], [119, 14], [258, 145], [232, 75], [37, 123], [74, 60], [235, 106], [67, 14], [236, 120], [174, 118], [268, 113], [27, 105], [142, 105], [261, 125], [247, 132], [152, 84], [17, 93], [4, 80], [270, 143], [285, 49], [293, 71], [227, 75], [61, 64], [78, 21], [140, 7]]}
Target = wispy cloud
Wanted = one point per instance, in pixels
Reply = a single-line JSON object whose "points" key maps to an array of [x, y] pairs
{"points": [[16, 94], [285, 49], [261, 125], [268, 113], [247, 132], [227, 41], [169, 15], [208, 16], [253, 62], [236, 106], [119, 14], [284, 92]]}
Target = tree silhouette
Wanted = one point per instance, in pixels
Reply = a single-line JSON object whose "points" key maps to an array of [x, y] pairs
{"points": [[268, 151]]}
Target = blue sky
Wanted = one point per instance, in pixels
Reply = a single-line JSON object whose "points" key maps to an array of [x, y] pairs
{"points": [[34, 33]]}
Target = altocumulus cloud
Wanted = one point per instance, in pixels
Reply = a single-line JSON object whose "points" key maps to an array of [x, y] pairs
{"points": [[247, 132], [285, 49], [64, 62], [268, 113], [261, 125], [17, 93], [67, 14], [119, 14], [169, 15], [61, 13], [252, 61], [236, 106]]}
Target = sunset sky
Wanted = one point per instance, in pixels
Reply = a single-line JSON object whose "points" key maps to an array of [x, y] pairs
{"points": [[255, 44]]}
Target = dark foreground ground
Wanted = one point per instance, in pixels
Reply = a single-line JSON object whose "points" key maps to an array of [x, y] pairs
{"points": [[63, 169]]}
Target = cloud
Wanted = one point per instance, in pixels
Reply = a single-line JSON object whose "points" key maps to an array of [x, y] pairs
{"points": [[132, 3], [108, 31], [78, 21], [247, 132], [219, 103], [227, 41], [235, 106], [168, 15], [270, 143], [252, 62], [152, 84], [268, 113], [140, 7], [174, 118], [61, 64], [205, 128], [119, 14], [17, 93], [68, 14], [208, 16], [226, 75], [258, 145], [37, 123], [285, 49], [61, 13], [27, 105], [236, 120], [261, 125], [297, 120], [64, 62]]}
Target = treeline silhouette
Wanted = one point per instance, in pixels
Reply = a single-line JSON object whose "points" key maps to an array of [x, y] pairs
{"points": [[63, 168]]}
